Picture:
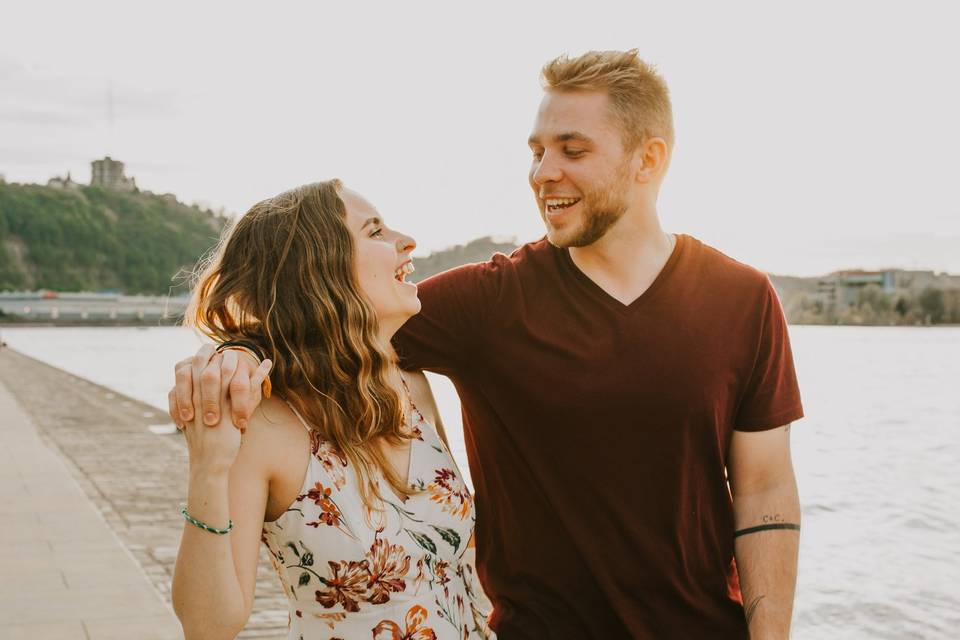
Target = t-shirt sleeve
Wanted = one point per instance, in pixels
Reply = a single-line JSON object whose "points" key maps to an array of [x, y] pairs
{"points": [[455, 306], [771, 397]]}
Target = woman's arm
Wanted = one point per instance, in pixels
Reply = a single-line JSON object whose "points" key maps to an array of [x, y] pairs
{"points": [[214, 576]]}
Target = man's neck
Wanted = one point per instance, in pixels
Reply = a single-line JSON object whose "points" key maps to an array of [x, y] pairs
{"points": [[627, 259]]}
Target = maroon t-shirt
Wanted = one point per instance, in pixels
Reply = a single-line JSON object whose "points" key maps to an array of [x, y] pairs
{"points": [[597, 434]]}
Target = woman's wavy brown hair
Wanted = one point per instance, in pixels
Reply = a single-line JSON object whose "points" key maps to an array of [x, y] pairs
{"points": [[283, 277]]}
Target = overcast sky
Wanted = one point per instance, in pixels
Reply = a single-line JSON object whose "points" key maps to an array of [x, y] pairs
{"points": [[810, 138]]}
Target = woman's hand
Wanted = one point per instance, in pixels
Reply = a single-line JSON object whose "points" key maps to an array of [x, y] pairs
{"points": [[214, 448], [242, 386]]}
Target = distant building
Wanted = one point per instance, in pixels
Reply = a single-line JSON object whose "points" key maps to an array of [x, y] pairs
{"points": [[108, 173], [66, 183], [842, 289]]}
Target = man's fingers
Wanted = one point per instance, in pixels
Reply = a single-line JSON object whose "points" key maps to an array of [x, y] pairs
{"points": [[173, 408], [202, 357], [241, 403], [183, 390], [228, 367], [210, 391], [198, 366]]}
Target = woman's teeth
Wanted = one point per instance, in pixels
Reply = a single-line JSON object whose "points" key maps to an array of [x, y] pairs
{"points": [[403, 271]]}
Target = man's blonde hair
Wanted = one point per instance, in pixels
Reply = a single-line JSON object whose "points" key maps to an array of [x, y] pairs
{"points": [[638, 95]]}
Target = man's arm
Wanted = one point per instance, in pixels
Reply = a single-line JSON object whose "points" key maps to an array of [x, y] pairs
{"points": [[766, 509], [456, 306]]}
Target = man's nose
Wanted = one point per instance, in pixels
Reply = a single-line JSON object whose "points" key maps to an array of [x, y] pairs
{"points": [[547, 170]]}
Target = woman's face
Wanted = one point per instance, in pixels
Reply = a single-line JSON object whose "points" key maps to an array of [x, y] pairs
{"points": [[382, 262]]}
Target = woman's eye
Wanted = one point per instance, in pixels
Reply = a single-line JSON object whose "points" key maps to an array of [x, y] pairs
{"points": [[378, 233], [537, 155], [574, 153]]}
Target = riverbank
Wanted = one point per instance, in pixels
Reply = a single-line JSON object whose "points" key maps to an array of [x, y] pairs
{"points": [[16, 321], [134, 477]]}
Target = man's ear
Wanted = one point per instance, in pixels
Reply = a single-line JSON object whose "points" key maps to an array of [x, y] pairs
{"points": [[654, 159]]}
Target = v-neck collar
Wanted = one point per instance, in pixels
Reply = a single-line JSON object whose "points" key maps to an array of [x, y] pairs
{"points": [[601, 295], [412, 418]]}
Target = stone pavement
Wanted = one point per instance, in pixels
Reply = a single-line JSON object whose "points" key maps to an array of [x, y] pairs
{"points": [[65, 575], [89, 513]]}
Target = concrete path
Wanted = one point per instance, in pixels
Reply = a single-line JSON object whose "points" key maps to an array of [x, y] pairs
{"points": [[135, 478], [64, 572]]}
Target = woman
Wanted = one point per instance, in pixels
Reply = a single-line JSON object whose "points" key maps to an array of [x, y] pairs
{"points": [[341, 473]]}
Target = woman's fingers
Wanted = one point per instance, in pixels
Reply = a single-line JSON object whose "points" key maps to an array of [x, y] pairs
{"points": [[256, 380], [245, 394]]}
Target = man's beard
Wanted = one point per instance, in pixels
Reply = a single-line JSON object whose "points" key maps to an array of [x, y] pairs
{"points": [[602, 208]]}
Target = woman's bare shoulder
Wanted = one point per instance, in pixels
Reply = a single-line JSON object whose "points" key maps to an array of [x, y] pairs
{"points": [[276, 432]]}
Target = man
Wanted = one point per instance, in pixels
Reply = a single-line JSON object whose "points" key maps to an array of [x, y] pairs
{"points": [[627, 394]]}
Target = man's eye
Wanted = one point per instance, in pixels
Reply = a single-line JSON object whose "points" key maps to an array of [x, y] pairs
{"points": [[537, 155], [574, 153]]}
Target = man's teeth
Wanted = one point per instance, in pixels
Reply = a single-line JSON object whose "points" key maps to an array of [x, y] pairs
{"points": [[560, 203]]}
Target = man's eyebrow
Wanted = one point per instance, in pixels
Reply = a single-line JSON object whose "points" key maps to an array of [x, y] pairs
{"points": [[572, 135], [562, 137]]}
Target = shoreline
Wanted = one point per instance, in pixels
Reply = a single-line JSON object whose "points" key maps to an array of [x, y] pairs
{"points": [[135, 477], [8, 323]]}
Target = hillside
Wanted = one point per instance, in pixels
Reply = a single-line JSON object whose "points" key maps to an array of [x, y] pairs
{"points": [[92, 239], [479, 250]]}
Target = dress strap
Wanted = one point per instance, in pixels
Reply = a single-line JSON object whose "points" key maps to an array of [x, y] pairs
{"points": [[410, 402], [299, 417]]}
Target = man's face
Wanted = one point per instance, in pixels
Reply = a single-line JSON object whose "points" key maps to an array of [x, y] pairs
{"points": [[580, 174]]}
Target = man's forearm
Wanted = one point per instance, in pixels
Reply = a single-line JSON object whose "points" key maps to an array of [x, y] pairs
{"points": [[766, 547]]}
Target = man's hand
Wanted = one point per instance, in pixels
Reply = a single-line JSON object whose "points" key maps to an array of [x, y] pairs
{"points": [[243, 389]]}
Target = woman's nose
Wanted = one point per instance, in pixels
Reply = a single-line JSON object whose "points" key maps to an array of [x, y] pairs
{"points": [[405, 243]]}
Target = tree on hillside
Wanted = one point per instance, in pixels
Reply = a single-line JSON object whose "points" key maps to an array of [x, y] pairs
{"points": [[932, 304]]}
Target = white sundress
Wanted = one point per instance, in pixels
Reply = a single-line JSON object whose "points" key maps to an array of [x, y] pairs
{"points": [[398, 574]]}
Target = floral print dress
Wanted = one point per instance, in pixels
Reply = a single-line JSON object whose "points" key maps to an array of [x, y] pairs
{"points": [[393, 575]]}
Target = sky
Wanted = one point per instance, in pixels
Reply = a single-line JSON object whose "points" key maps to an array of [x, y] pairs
{"points": [[811, 136]]}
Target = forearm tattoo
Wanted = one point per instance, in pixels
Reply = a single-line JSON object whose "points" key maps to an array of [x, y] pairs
{"points": [[770, 523]]}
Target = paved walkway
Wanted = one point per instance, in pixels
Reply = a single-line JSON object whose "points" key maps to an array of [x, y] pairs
{"points": [[64, 573], [100, 441]]}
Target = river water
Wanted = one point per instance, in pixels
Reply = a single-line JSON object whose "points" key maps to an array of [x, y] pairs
{"points": [[877, 461]]}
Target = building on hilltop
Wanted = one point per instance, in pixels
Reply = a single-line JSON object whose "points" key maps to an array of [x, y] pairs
{"points": [[108, 173], [66, 183]]}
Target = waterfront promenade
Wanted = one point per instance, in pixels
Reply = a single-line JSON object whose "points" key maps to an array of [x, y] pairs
{"points": [[89, 513]]}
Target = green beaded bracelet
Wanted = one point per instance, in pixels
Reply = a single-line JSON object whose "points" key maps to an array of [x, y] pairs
{"points": [[204, 525]]}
